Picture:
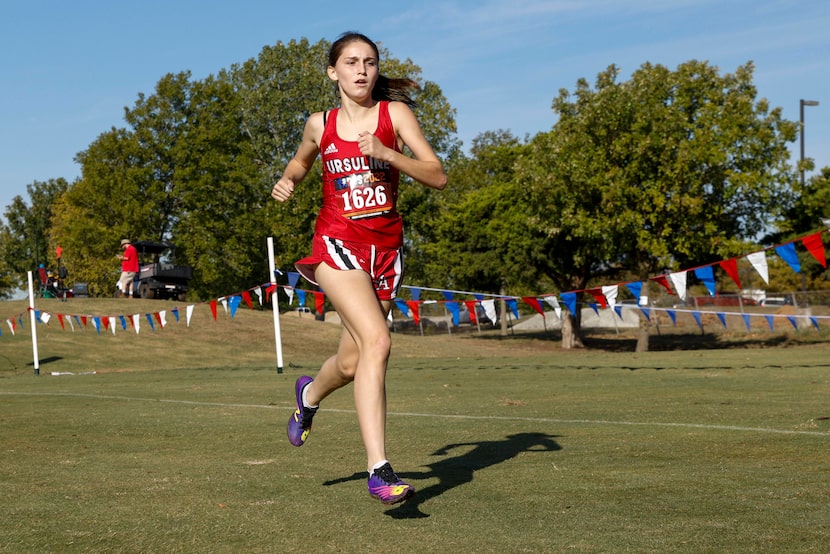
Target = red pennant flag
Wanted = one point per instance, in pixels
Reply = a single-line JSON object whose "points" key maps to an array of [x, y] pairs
{"points": [[599, 297], [246, 296], [83, 320], [270, 290], [106, 322], [471, 307], [413, 307], [60, 318], [319, 301], [815, 246], [664, 282], [158, 318], [731, 269], [213, 309], [534, 303]]}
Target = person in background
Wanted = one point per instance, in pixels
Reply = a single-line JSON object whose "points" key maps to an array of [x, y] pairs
{"points": [[129, 268], [356, 254]]}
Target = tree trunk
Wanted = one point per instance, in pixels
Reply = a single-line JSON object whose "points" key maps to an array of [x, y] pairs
{"points": [[642, 338], [571, 337]]}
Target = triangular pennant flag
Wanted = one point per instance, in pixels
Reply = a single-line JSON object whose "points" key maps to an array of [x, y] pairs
{"points": [[722, 318], [159, 319], [213, 309], [696, 315], [598, 296], [636, 289], [554, 303], [759, 262], [679, 280], [787, 253], [413, 306], [513, 306], [454, 312], [188, 314], [258, 292], [447, 294], [793, 322], [301, 297], [105, 322], [96, 322], [136, 323], [71, 325], [647, 313], [731, 268], [246, 297], [150, 321], [472, 306], [618, 311], [534, 303], [416, 293], [224, 302], [569, 299], [770, 322], [814, 321], [163, 318], [595, 307], [176, 312], [293, 279], [815, 246], [663, 282], [45, 317], [610, 293], [234, 302], [319, 302], [707, 275], [123, 322], [489, 306], [112, 324], [673, 316], [60, 320], [401, 305], [746, 322]]}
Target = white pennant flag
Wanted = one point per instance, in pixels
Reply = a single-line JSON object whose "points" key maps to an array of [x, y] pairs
{"points": [[11, 325], [136, 323], [258, 292], [759, 262], [112, 324], [610, 293], [45, 317], [489, 306], [163, 318], [554, 303], [290, 293], [679, 281], [189, 314], [224, 302], [71, 325]]}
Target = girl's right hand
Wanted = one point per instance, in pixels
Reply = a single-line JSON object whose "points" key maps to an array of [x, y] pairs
{"points": [[283, 190]]}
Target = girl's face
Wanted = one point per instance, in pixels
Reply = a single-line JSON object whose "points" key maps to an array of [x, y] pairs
{"points": [[356, 70]]}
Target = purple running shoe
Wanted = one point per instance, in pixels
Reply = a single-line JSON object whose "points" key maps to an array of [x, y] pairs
{"points": [[299, 424], [387, 487]]}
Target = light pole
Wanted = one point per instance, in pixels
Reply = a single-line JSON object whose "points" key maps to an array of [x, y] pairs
{"points": [[801, 104]]}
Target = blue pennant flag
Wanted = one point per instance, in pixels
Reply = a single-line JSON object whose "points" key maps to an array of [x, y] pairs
{"points": [[636, 289], [793, 322], [788, 254], [233, 304], [513, 306], [301, 297], [150, 321], [647, 313], [455, 311], [293, 277], [770, 322], [673, 316], [746, 322], [416, 293], [401, 305], [707, 275], [696, 315], [569, 300], [722, 318]]}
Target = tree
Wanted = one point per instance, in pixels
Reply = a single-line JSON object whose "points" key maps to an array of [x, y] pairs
{"points": [[24, 240], [670, 169]]}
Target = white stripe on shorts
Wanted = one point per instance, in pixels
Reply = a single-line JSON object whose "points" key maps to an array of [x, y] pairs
{"points": [[341, 255]]}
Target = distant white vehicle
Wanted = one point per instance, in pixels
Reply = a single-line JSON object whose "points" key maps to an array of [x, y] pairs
{"points": [[771, 301]]}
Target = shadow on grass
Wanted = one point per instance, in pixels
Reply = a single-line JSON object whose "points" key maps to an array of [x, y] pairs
{"points": [[458, 470]]}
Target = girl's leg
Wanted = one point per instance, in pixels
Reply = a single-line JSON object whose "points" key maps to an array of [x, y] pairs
{"points": [[367, 352]]}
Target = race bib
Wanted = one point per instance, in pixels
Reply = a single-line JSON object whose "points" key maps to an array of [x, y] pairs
{"points": [[364, 194]]}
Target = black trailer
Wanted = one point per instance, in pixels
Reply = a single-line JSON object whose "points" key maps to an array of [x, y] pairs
{"points": [[158, 275]]}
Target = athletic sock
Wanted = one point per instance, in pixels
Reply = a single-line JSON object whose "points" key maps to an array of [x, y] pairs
{"points": [[378, 465], [305, 402]]}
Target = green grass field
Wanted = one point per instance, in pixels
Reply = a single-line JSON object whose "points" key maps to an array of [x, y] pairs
{"points": [[174, 441]]}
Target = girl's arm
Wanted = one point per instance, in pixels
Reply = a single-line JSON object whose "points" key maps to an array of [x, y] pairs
{"points": [[299, 165]]}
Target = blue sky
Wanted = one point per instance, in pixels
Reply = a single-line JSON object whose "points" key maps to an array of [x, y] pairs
{"points": [[70, 68]]}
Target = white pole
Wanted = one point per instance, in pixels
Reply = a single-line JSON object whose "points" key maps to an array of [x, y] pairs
{"points": [[275, 303], [33, 319]]}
